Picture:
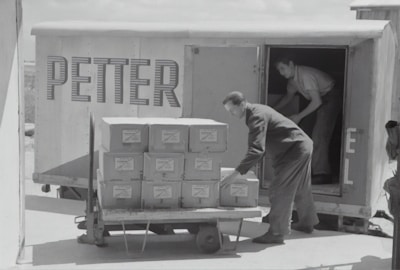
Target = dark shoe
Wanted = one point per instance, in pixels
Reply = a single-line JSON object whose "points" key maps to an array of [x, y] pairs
{"points": [[269, 238], [295, 218], [321, 179], [302, 228]]}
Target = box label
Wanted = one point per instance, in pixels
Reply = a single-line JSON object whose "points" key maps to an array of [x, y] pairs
{"points": [[170, 136], [203, 164], [208, 135], [200, 191], [124, 164], [165, 164], [239, 190], [122, 192], [131, 136], [162, 192]]}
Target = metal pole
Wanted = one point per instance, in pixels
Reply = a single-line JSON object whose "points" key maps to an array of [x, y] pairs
{"points": [[396, 214], [396, 234], [91, 162], [393, 150]]}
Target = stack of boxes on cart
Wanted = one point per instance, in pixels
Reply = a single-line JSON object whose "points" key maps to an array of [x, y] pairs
{"points": [[167, 163]]}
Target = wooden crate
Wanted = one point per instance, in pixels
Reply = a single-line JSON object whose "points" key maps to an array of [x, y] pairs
{"points": [[163, 166], [168, 135], [200, 194], [243, 193], [124, 134], [118, 194], [161, 195], [200, 166], [208, 135], [120, 166]]}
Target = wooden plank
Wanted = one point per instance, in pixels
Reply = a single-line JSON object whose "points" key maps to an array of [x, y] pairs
{"points": [[330, 208], [343, 209], [178, 215], [61, 180]]}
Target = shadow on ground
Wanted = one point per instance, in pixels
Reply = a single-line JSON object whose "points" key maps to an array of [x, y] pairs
{"points": [[367, 263], [71, 252], [54, 205]]}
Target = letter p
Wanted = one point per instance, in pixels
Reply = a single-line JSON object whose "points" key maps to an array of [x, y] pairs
{"points": [[52, 79]]}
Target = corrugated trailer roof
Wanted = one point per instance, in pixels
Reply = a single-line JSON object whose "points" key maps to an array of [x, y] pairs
{"points": [[357, 4], [256, 29]]}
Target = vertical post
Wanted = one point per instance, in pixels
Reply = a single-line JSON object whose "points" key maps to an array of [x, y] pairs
{"points": [[92, 229], [396, 214], [393, 187], [396, 234], [91, 161]]}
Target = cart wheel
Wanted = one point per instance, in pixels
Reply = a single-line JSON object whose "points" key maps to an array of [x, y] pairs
{"points": [[193, 229], [207, 239], [45, 188]]}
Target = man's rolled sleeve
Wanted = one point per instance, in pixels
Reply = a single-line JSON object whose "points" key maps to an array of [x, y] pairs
{"points": [[256, 144]]}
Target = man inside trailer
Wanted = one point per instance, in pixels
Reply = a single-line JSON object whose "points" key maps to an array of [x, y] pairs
{"points": [[324, 98], [291, 151]]}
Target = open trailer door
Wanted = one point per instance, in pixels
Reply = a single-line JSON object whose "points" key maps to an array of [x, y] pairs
{"points": [[211, 73]]}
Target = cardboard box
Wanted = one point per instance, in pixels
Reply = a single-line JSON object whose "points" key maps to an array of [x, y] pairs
{"points": [[124, 134], [168, 135], [200, 194], [244, 193], [163, 166], [120, 166], [205, 166], [118, 194], [161, 195], [208, 135]]}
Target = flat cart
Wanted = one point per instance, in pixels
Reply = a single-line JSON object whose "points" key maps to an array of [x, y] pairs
{"points": [[203, 223]]}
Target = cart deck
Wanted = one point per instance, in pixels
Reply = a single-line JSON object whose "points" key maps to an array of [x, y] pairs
{"points": [[113, 216], [203, 222]]}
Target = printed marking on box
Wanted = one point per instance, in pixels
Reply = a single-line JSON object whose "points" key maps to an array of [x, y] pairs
{"points": [[208, 135], [122, 192], [131, 136], [203, 164], [165, 164], [239, 190], [162, 192], [170, 136], [200, 191], [124, 164]]}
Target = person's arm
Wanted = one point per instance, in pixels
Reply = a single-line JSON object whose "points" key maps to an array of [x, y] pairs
{"points": [[255, 151], [288, 97], [311, 87], [256, 144]]}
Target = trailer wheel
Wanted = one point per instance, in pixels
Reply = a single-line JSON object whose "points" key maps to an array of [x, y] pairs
{"points": [[46, 188], [207, 239]]}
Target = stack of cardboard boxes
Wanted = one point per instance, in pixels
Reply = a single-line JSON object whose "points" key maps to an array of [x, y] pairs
{"points": [[119, 178], [158, 163]]}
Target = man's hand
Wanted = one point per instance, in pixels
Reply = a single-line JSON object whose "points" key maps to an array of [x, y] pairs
{"points": [[295, 118], [229, 179]]}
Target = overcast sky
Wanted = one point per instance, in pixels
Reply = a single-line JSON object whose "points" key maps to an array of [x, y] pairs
{"points": [[273, 11]]}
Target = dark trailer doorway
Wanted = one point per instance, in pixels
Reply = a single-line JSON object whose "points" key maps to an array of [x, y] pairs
{"points": [[329, 59]]}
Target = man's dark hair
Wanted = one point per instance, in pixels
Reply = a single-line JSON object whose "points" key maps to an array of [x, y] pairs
{"points": [[235, 97], [284, 59]]}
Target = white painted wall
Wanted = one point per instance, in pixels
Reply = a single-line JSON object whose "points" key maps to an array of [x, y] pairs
{"points": [[11, 147]]}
